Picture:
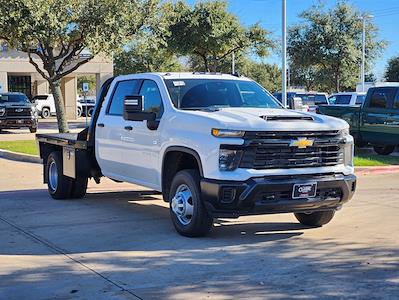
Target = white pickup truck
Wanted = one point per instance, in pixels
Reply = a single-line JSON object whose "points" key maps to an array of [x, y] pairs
{"points": [[215, 145]]}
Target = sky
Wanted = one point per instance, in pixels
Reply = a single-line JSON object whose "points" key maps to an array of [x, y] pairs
{"points": [[268, 13]]}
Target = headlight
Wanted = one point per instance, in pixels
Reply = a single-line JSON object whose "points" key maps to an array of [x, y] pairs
{"points": [[229, 159], [2, 111], [227, 133], [344, 132]]}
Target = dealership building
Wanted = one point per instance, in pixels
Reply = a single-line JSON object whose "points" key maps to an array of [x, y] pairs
{"points": [[18, 75]]}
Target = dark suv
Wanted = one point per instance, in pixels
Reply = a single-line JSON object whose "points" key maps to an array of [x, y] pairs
{"points": [[16, 111]]}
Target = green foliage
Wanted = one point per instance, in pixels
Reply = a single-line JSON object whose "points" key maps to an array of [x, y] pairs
{"points": [[58, 32], [325, 49], [208, 34], [392, 71], [147, 54]]}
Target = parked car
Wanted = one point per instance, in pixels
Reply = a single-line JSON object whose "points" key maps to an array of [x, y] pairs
{"points": [[347, 98], [374, 123], [45, 106], [310, 100], [16, 111], [214, 145], [88, 105]]}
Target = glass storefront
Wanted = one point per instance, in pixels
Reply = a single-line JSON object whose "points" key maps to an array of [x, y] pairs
{"points": [[22, 84]]}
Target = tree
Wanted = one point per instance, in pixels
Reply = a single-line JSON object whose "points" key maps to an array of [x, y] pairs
{"points": [[326, 46], [60, 32], [147, 54], [209, 33], [392, 71]]}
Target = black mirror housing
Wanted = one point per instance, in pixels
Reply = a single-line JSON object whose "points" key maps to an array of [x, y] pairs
{"points": [[133, 109]]}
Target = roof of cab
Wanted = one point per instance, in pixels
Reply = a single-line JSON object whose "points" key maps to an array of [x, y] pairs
{"points": [[194, 75]]}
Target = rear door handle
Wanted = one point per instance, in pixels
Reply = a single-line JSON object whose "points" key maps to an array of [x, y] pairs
{"points": [[128, 128], [100, 125]]}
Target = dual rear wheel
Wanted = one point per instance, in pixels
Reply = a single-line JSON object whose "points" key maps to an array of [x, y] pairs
{"points": [[61, 186]]}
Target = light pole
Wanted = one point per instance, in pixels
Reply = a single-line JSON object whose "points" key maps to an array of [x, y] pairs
{"points": [[363, 18], [284, 62]]}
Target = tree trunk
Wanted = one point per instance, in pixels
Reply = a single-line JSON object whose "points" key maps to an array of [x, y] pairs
{"points": [[55, 88]]}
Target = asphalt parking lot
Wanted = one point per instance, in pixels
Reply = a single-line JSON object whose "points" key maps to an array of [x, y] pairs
{"points": [[118, 243]]}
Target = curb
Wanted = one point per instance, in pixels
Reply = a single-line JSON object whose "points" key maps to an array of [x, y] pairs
{"points": [[20, 157], [377, 170]]}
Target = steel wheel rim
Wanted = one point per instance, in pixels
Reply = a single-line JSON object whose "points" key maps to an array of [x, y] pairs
{"points": [[53, 176], [183, 205], [46, 113]]}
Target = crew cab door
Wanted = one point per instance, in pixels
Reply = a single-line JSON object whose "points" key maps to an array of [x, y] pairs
{"points": [[141, 141], [110, 131], [392, 123], [374, 117]]}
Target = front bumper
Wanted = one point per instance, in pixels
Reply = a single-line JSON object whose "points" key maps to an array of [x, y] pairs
{"points": [[18, 123], [273, 194]]}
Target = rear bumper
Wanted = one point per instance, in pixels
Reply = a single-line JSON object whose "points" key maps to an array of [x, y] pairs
{"points": [[18, 123], [267, 195]]}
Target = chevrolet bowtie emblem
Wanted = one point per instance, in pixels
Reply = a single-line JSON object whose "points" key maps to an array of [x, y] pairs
{"points": [[301, 143]]}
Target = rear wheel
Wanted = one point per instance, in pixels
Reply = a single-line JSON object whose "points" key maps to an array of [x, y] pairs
{"points": [[45, 113], [317, 219], [90, 112], [384, 150], [189, 215], [78, 112], [79, 187], [59, 185]]}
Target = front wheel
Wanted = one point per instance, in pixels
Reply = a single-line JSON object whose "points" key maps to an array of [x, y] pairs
{"points": [[189, 215], [33, 129], [316, 219], [384, 150]]}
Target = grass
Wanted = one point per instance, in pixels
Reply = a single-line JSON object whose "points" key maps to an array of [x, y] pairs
{"points": [[363, 158], [27, 147], [374, 160]]}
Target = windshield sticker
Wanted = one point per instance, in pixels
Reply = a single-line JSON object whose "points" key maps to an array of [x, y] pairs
{"points": [[179, 83]]}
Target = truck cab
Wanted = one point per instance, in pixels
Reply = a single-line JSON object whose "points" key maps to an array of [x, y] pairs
{"points": [[215, 145]]}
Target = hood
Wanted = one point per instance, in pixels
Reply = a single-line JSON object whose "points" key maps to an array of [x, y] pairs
{"points": [[16, 104], [259, 119]]}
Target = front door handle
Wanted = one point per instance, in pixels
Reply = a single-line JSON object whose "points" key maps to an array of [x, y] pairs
{"points": [[100, 125], [128, 128]]}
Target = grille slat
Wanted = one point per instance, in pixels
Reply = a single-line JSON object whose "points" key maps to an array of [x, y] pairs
{"points": [[275, 151], [15, 112]]}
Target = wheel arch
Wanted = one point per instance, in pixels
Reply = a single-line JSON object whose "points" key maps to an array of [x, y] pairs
{"points": [[180, 158]]}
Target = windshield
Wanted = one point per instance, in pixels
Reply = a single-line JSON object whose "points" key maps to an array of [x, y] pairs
{"points": [[13, 98], [212, 93]]}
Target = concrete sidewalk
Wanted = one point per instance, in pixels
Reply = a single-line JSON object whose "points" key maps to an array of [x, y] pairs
{"points": [[119, 243]]}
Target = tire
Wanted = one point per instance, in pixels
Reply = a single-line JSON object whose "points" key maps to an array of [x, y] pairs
{"points": [[59, 186], [316, 219], [90, 112], [185, 192], [45, 114], [384, 150], [78, 112], [79, 187], [33, 129]]}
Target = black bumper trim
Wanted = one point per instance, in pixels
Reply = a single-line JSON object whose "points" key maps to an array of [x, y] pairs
{"points": [[266, 195], [12, 123]]}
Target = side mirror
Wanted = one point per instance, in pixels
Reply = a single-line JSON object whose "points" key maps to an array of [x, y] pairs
{"points": [[133, 107]]}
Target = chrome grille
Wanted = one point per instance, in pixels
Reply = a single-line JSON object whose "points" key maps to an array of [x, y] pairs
{"points": [[272, 150]]}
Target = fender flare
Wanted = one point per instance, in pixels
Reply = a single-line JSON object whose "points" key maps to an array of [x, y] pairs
{"points": [[184, 150]]}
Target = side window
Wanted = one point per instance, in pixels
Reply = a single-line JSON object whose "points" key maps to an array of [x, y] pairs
{"points": [[396, 101], [360, 99], [122, 89], [332, 99], [343, 99], [380, 98], [152, 98]]}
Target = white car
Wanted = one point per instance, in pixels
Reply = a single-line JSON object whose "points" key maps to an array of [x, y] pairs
{"points": [[45, 106], [214, 145], [347, 98]]}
